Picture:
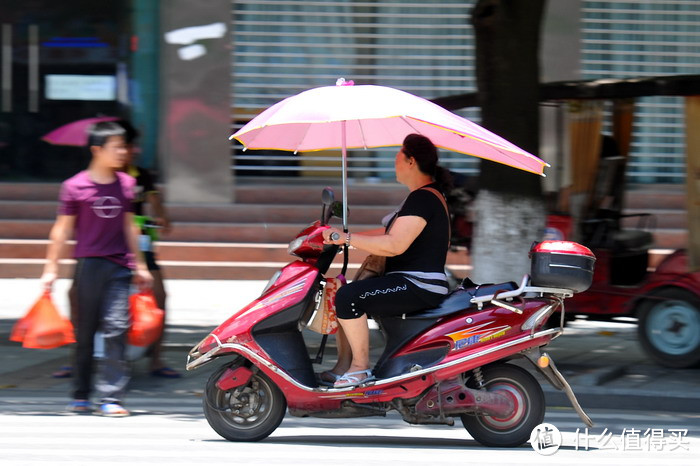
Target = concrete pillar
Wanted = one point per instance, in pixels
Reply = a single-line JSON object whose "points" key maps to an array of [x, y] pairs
{"points": [[195, 86], [560, 49]]}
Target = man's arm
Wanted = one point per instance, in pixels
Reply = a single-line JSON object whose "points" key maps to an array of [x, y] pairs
{"points": [[142, 277], [159, 213], [61, 232]]}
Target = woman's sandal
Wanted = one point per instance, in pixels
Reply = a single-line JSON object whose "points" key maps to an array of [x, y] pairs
{"points": [[352, 379], [327, 378], [112, 410]]}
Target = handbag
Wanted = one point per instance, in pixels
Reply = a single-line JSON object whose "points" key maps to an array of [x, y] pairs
{"points": [[43, 327], [146, 320], [373, 266], [324, 320]]}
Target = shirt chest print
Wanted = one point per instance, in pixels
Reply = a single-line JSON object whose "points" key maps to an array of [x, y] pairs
{"points": [[106, 207]]}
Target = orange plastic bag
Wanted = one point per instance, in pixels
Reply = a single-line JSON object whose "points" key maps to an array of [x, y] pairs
{"points": [[43, 327], [146, 320]]}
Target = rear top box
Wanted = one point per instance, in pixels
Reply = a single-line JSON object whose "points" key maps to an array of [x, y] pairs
{"points": [[561, 264]]}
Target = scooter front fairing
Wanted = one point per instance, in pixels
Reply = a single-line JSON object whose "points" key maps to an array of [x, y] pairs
{"points": [[267, 330]]}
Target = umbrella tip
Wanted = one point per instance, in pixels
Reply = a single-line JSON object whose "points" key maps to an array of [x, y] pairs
{"points": [[343, 82]]}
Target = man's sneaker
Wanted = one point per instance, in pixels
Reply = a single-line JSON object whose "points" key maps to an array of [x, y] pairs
{"points": [[80, 407], [112, 410]]}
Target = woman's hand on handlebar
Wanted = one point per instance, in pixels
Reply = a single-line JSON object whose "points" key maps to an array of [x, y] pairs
{"points": [[333, 236]]}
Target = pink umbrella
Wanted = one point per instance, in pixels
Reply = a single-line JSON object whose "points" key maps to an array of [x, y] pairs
{"points": [[74, 133], [349, 117]]}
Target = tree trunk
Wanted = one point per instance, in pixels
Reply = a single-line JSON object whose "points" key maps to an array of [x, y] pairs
{"points": [[509, 208]]}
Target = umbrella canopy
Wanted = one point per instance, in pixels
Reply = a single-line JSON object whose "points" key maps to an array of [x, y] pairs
{"points": [[373, 116], [74, 133]]}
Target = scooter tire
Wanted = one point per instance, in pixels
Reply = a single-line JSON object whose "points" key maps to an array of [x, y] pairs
{"points": [[247, 413], [528, 398]]}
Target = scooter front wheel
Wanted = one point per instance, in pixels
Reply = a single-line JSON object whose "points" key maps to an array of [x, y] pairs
{"points": [[528, 401], [247, 413]]}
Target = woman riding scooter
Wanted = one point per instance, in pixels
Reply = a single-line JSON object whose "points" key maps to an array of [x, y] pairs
{"points": [[415, 243]]}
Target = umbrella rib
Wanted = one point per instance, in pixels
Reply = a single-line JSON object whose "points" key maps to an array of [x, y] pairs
{"points": [[308, 128], [362, 132], [406, 120]]}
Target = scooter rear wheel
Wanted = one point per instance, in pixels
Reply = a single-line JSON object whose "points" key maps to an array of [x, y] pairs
{"points": [[528, 399], [247, 413]]}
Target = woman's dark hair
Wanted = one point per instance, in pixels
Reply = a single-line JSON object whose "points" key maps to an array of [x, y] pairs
{"points": [[424, 152], [99, 133]]}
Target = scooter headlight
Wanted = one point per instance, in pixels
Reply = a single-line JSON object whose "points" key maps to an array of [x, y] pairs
{"points": [[296, 244], [271, 282], [207, 344]]}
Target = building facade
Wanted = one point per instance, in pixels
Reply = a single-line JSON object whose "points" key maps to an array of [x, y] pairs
{"points": [[188, 73]]}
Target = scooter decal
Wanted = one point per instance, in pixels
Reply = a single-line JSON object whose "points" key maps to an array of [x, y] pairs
{"points": [[367, 394], [477, 334], [293, 289], [496, 334]]}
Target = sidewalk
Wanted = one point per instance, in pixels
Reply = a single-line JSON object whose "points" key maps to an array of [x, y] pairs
{"points": [[603, 362]]}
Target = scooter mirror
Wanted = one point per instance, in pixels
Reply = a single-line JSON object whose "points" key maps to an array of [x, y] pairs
{"points": [[327, 197]]}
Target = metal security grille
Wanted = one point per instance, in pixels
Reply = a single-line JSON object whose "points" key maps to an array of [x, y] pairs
{"points": [[281, 48], [624, 39]]}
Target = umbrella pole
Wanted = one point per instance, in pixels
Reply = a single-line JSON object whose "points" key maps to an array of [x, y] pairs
{"points": [[346, 249], [344, 177]]}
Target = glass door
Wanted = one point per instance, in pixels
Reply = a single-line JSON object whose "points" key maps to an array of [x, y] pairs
{"points": [[59, 62]]}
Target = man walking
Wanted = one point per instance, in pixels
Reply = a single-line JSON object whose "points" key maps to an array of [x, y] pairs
{"points": [[96, 206]]}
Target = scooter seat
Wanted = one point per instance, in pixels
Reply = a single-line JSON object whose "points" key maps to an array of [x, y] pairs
{"points": [[460, 299], [632, 240]]}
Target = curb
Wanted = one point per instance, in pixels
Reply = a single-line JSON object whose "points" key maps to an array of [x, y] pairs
{"points": [[601, 398]]}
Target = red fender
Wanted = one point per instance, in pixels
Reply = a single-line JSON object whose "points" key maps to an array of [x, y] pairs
{"points": [[232, 378]]}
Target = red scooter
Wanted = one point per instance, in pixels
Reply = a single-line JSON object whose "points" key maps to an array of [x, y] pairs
{"points": [[437, 364]]}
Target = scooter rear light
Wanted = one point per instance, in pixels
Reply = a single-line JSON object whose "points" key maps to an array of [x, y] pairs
{"points": [[543, 361], [537, 318]]}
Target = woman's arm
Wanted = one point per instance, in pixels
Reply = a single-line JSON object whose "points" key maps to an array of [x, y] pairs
{"points": [[374, 232], [403, 232]]}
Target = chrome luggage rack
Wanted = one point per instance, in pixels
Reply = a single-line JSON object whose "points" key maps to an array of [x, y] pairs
{"points": [[498, 297]]}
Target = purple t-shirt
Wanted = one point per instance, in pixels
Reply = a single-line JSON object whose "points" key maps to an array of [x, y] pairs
{"points": [[99, 210]]}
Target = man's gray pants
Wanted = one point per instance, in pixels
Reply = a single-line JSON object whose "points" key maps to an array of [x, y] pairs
{"points": [[102, 299]]}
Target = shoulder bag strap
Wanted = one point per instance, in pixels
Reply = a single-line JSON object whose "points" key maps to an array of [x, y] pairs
{"points": [[447, 211]]}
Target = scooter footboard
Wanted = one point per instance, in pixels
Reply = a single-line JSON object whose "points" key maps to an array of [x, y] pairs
{"points": [[288, 351]]}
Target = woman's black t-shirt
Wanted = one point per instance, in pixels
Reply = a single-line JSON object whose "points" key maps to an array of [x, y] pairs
{"points": [[428, 252]]}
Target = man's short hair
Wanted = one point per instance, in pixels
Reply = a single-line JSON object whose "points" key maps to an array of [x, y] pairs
{"points": [[99, 133]]}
